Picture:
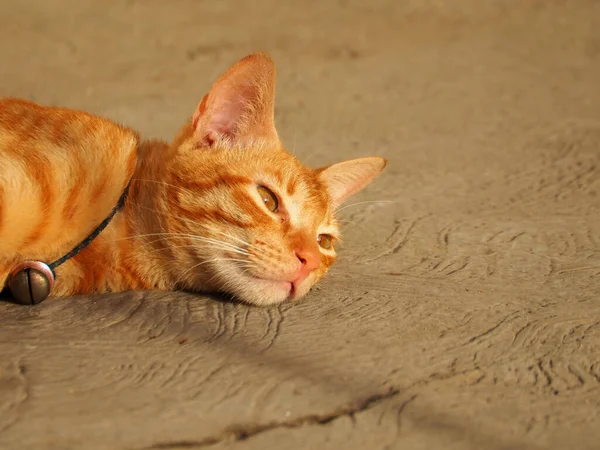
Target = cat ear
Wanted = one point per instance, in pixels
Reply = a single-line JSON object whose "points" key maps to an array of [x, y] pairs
{"points": [[346, 178], [240, 104]]}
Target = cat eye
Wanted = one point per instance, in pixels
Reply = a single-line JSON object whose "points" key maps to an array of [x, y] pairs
{"points": [[269, 198], [325, 241]]}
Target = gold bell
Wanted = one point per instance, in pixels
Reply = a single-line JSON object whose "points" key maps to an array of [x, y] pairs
{"points": [[30, 282]]}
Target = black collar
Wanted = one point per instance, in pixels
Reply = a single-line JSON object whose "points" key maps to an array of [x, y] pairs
{"points": [[30, 282], [88, 240]]}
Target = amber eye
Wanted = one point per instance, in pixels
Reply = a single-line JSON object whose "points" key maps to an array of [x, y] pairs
{"points": [[268, 198], [325, 241]]}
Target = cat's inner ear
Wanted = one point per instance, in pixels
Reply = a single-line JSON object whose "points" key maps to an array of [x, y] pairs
{"points": [[346, 178], [240, 105]]}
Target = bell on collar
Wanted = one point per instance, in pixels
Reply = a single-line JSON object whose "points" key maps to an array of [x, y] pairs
{"points": [[30, 282]]}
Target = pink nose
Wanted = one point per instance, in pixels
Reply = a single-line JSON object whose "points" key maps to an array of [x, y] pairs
{"points": [[309, 261]]}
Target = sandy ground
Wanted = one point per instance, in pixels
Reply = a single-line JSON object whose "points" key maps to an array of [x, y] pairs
{"points": [[465, 311]]}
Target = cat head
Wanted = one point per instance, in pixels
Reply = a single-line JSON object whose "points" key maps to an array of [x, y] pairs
{"points": [[261, 225]]}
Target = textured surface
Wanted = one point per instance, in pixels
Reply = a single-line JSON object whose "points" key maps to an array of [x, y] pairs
{"points": [[465, 311]]}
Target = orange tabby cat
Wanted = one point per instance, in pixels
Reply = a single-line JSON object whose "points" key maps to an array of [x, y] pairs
{"points": [[223, 208]]}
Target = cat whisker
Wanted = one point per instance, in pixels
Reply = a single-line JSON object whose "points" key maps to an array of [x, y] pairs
{"points": [[197, 246], [187, 191], [202, 263], [362, 203], [294, 142], [305, 162], [192, 268], [171, 247], [242, 241], [165, 236], [224, 245], [216, 243], [135, 236], [220, 232], [156, 211], [248, 264], [239, 240], [352, 223], [211, 245]]}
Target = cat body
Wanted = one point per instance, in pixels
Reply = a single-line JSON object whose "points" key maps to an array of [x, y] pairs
{"points": [[223, 208]]}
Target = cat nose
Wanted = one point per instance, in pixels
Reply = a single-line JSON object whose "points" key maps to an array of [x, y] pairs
{"points": [[309, 261]]}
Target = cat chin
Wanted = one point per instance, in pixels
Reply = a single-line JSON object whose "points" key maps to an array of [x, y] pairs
{"points": [[259, 291], [262, 292]]}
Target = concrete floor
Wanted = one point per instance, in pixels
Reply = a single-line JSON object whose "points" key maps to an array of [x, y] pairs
{"points": [[465, 310]]}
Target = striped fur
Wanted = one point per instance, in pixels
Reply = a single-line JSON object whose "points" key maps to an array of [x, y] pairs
{"points": [[194, 218]]}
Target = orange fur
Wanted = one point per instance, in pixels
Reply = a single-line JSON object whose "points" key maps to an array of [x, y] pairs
{"points": [[194, 218]]}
